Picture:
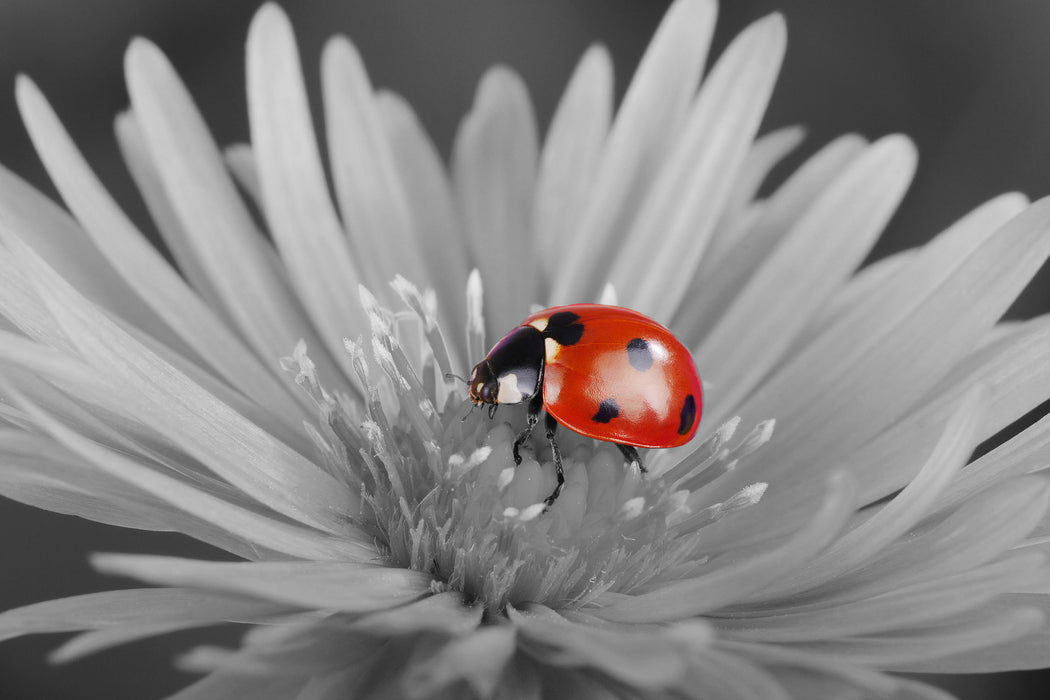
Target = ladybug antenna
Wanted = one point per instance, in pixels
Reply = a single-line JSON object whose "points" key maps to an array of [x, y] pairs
{"points": [[468, 413], [453, 375]]}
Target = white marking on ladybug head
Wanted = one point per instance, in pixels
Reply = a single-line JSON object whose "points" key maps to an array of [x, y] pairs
{"points": [[551, 348], [508, 389], [540, 324]]}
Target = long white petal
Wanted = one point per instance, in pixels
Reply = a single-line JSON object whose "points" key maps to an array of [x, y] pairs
{"points": [[725, 584], [132, 606], [641, 656], [667, 76], [898, 516], [312, 585], [444, 613], [653, 265], [477, 658], [366, 181], [948, 304], [723, 273], [58, 237], [225, 242], [240, 522], [1015, 373], [191, 418], [832, 238], [436, 224], [196, 328], [572, 150], [296, 202], [494, 173], [764, 154]]}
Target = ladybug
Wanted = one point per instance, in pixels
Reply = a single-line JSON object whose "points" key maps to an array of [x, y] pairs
{"points": [[605, 372]]}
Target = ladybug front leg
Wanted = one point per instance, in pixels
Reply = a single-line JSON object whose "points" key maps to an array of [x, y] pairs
{"points": [[535, 406], [630, 453], [552, 425]]}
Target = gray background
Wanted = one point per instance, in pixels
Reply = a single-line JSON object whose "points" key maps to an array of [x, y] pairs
{"points": [[967, 80]]}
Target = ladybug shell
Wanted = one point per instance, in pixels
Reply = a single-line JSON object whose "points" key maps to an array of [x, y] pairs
{"points": [[624, 378]]}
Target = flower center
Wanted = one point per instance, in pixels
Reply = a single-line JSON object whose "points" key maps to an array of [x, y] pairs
{"points": [[441, 493]]}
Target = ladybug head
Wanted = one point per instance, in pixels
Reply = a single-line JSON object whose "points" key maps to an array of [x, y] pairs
{"points": [[483, 386]]}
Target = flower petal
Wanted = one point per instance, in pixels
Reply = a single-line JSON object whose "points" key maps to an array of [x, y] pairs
{"points": [[723, 273], [477, 658], [39, 473], [976, 533], [445, 613], [131, 607], [642, 657], [229, 518], [219, 230], [832, 237], [889, 522], [780, 656], [764, 154], [60, 239], [666, 76], [805, 684], [139, 161], [918, 605], [714, 675], [1015, 372], [986, 628], [299, 643], [872, 280], [435, 222], [1022, 454], [934, 320], [296, 203], [138, 262], [494, 173], [223, 685], [572, 150], [240, 160], [323, 585], [730, 582], [251, 376], [1027, 652], [228, 444], [364, 174], [692, 187], [95, 641]]}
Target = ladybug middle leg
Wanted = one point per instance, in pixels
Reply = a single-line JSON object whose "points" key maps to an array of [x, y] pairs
{"points": [[552, 425], [630, 453], [535, 406]]}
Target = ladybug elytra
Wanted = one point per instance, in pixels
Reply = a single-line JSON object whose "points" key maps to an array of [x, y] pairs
{"points": [[605, 372]]}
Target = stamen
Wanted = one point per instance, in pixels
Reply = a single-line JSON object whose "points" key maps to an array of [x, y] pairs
{"points": [[475, 317]]}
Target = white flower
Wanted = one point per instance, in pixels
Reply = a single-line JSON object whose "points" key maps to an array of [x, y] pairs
{"points": [[288, 403]]}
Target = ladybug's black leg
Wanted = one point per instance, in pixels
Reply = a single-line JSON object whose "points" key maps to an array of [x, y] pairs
{"points": [[630, 453], [535, 406], [552, 425]]}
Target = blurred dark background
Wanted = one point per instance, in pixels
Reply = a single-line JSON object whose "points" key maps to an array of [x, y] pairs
{"points": [[966, 80]]}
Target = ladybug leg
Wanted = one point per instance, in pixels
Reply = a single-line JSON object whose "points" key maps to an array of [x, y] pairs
{"points": [[630, 453], [552, 425], [535, 406]]}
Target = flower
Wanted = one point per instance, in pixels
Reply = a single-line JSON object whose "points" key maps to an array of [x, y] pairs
{"points": [[288, 403]]}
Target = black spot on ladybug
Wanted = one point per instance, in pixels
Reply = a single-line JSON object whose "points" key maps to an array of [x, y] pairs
{"points": [[563, 329], [639, 354], [607, 410], [688, 415]]}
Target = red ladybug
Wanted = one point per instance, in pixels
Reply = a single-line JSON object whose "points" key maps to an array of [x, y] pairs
{"points": [[603, 371]]}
